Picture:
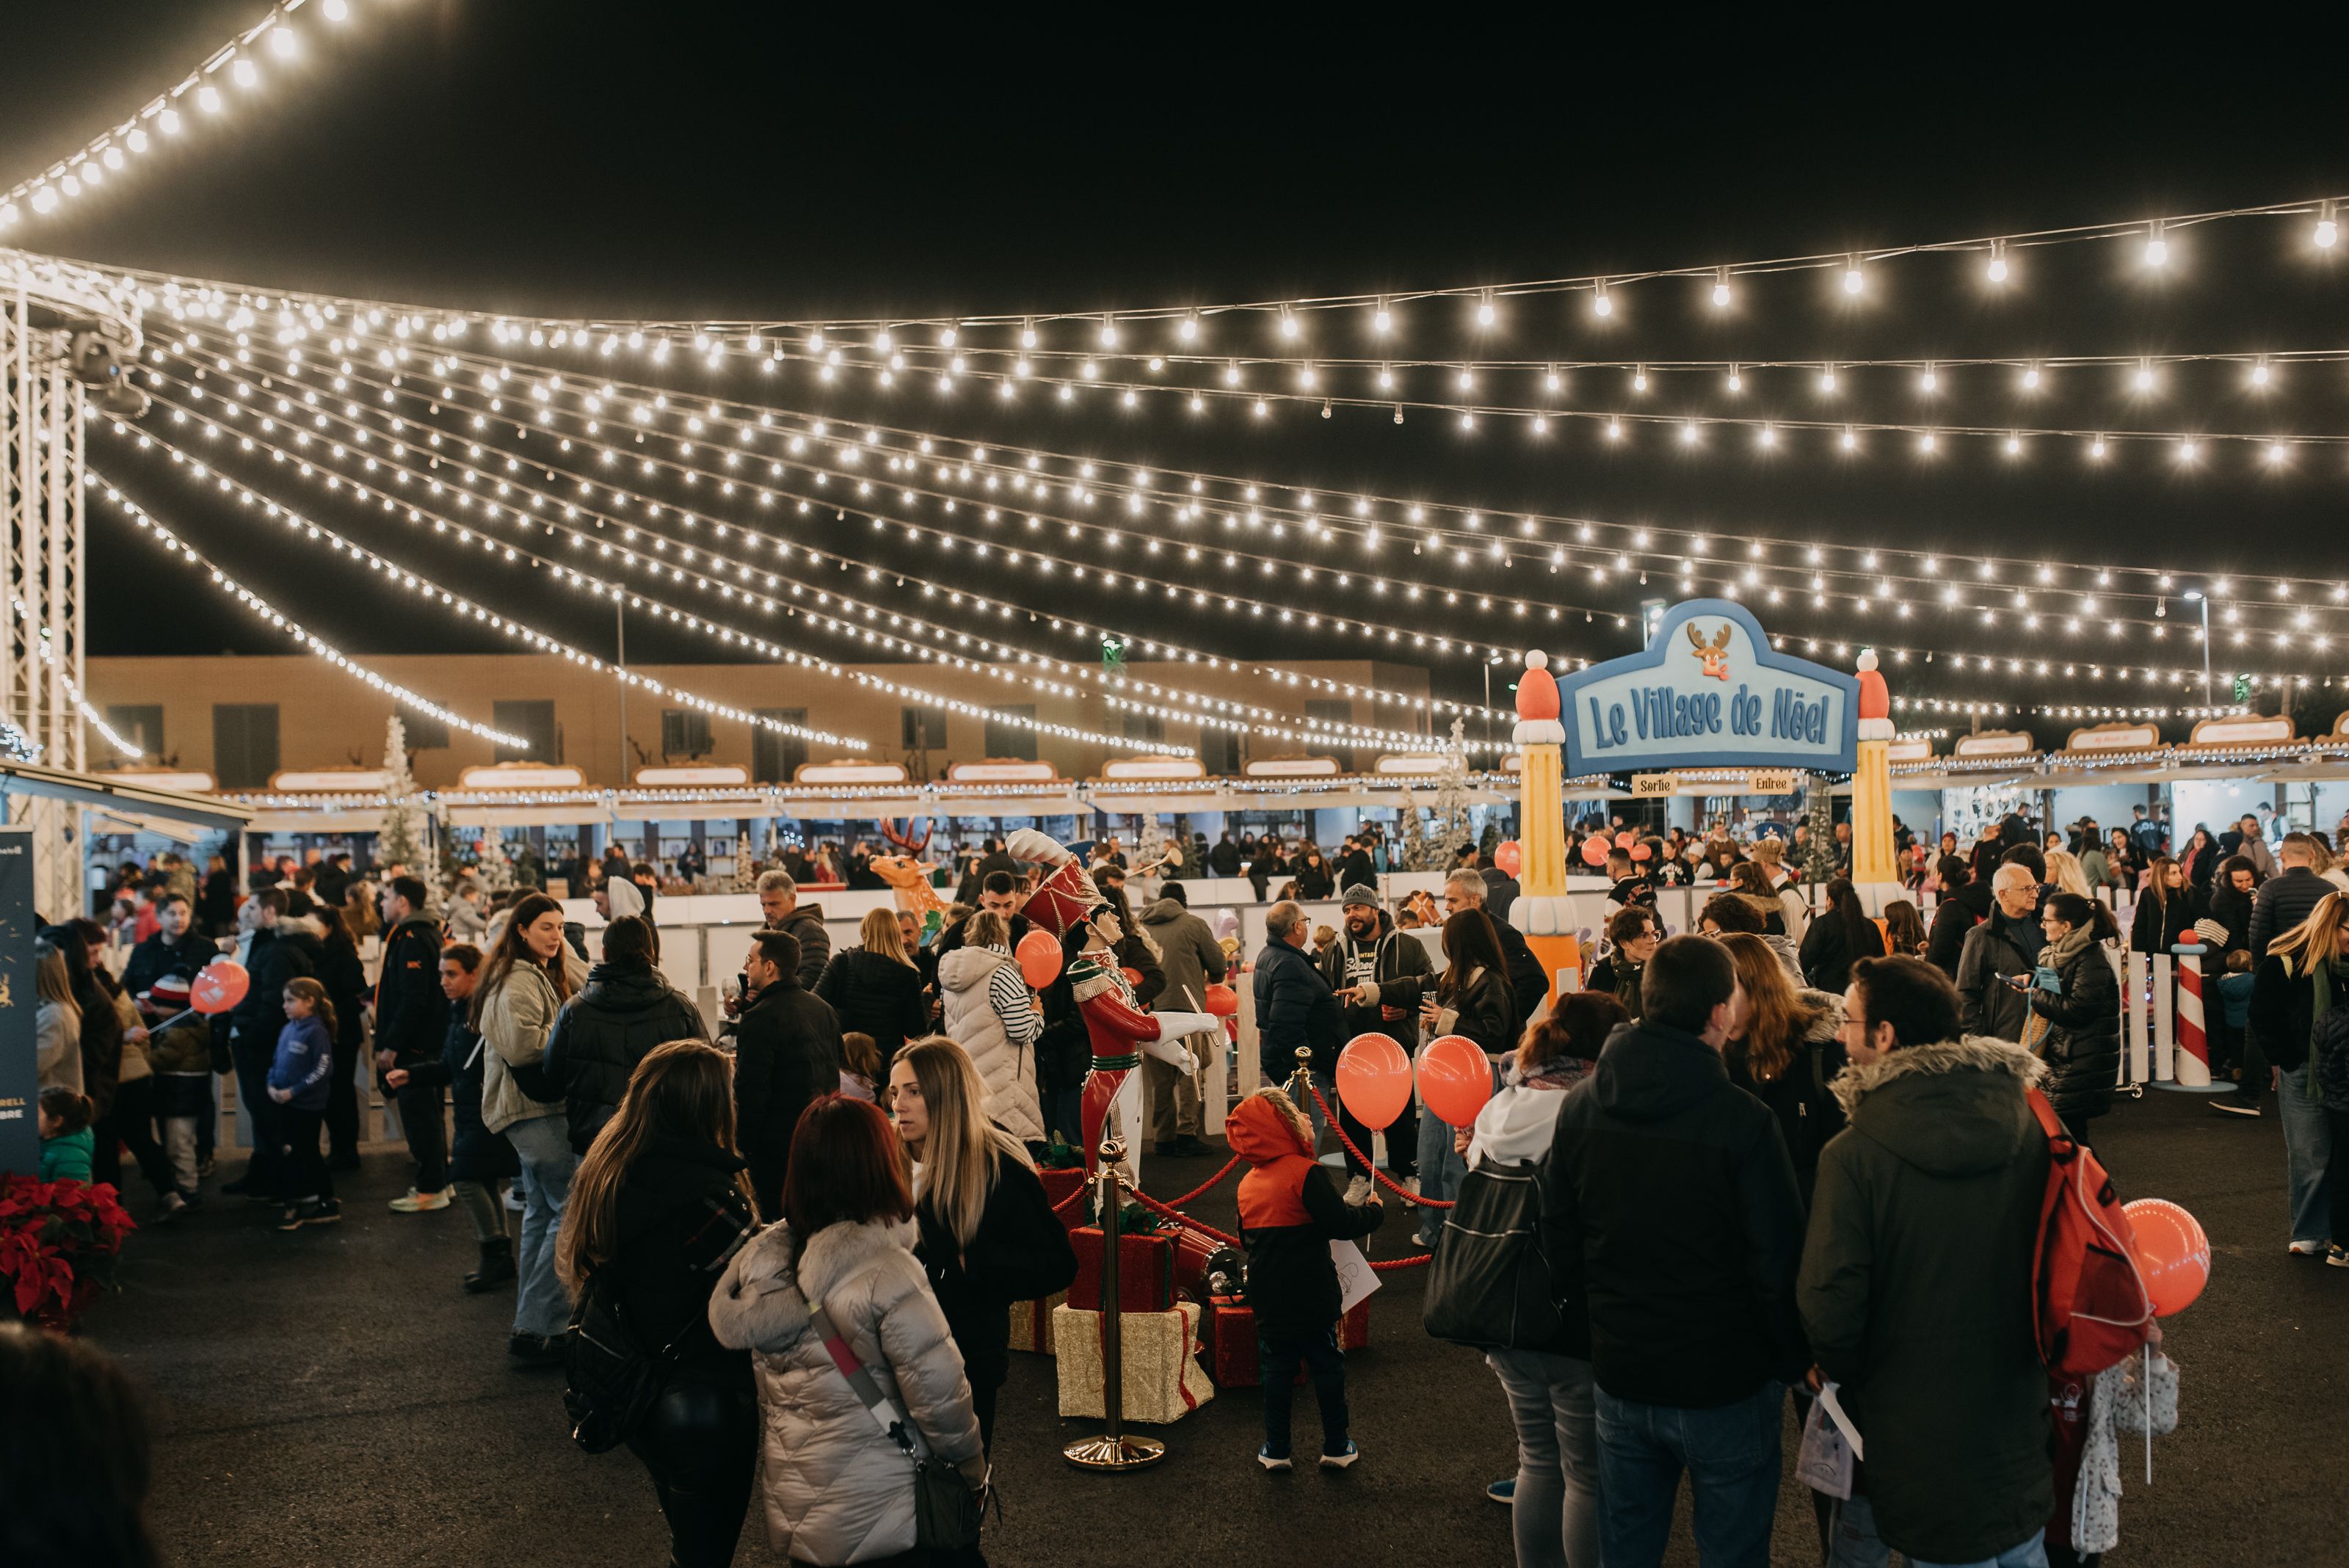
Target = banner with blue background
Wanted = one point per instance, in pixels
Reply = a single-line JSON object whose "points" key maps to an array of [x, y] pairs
{"points": [[1709, 692]]}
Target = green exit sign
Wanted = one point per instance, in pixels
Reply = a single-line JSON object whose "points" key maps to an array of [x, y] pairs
{"points": [[2243, 688]]}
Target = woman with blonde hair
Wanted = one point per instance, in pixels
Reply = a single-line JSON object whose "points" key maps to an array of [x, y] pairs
{"points": [[2304, 976], [57, 1028], [528, 974], [2065, 874], [989, 1237], [876, 988], [1784, 1051], [660, 1205], [988, 1010]]}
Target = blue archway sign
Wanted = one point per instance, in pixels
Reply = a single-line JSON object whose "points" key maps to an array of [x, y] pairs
{"points": [[1709, 692]]}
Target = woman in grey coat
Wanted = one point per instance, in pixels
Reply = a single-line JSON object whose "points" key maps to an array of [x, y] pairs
{"points": [[837, 1488]]}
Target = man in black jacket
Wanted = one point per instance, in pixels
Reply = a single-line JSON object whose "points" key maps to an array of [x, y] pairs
{"points": [[625, 1010], [786, 1055], [2286, 899], [1380, 975], [174, 948], [1223, 859], [1669, 1207], [1528, 984], [412, 1027], [1965, 904], [1295, 1008], [281, 949]]}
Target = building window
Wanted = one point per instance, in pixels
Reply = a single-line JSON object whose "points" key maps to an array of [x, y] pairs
{"points": [[921, 729], [685, 732], [424, 732], [775, 756], [141, 724], [244, 744], [1219, 752], [1147, 727], [1008, 738], [533, 720]]}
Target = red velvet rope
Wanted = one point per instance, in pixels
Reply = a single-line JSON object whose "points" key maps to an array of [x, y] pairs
{"points": [[1173, 1213], [1419, 1262], [1201, 1190], [1389, 1182]]}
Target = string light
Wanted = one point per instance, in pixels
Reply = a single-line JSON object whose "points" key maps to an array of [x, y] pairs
{"points": [[43, 640], [111, 152]]}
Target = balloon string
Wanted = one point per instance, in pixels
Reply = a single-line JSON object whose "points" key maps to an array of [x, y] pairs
{"points": [[1382, 1178]]}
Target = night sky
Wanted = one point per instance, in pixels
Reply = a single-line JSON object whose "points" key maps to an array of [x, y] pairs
{"points": [[749, 161]]}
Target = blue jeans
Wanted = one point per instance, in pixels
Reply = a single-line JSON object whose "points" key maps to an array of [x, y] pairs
{"points": [[541, 1306], [1278, 1357], [2308, 1157], [1731, 1456], [1555, 1514], [1440, 1174]]}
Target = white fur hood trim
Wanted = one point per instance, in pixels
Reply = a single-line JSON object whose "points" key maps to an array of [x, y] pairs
{"points": [[1980, 1051]]}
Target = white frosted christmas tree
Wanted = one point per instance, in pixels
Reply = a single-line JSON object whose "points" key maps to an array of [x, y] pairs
{"points": [[1452, 805], [746, 875], [1409, 835], [1150, 848], [399, 840]]}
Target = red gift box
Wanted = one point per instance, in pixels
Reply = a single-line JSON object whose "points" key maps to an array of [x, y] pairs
{"points": [[1230, 1330], [1146, 1270], [1060, 1189], [1193, 1248]]}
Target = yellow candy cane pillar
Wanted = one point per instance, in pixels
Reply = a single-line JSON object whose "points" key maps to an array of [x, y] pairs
{"points": [[1541, 910], [1873, 859]]}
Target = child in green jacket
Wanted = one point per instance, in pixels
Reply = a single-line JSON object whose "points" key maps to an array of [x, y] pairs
{"points": [[67, 1142]]}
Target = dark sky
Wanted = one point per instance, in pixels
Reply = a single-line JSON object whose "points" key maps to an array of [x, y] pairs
{"points": [[540, 157]]}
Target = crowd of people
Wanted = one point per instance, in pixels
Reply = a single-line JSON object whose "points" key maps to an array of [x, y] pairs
{"points": [[825, 1206]]}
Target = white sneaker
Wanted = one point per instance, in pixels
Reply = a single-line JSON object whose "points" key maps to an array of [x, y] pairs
{"points": [[514, 1199], [1357, 1190], [2307, 1249], [424, 1203]]}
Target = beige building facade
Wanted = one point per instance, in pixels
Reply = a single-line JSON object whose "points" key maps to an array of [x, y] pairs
{"points": [[243, 719]]}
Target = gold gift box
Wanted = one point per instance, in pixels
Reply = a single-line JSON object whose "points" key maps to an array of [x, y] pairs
{"points": [[1162, 1378]]}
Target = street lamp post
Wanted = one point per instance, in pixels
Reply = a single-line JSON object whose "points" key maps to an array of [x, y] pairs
{"points": [[2204, 600]]}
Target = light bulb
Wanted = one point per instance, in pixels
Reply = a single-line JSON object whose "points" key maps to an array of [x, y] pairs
{"points": [[1601, 304], [2145, 378], [8, 214], [1926, 442], [1189, 330], [2096, 447], [1850, 441], [170, 121], [2030, 378], [1997, 269], [1687, 433], [1826, 380], [2328, 232], [1109, 335], [137, 140], [1928, 381], [2187, 450], [1852, 278], [282, 43], [2157, 250], [1721, 295], [1027, 338], [337, 10], [1484, 313], [243, 70], [1639, 379], [112, 158], [208, 98], [1288, 326], [1736, 381], [2259, 374]]}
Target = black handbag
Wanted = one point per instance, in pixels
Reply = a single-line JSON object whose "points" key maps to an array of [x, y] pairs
{"points": [[1489, 1286], [610, 1381], [947, 1510]]}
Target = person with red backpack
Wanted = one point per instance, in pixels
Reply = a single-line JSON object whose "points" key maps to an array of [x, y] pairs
{"points": [[1919, 1277]]}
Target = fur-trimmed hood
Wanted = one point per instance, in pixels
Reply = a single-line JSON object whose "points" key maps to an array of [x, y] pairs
{"points": [[761, 1303], [1954, 1108]]}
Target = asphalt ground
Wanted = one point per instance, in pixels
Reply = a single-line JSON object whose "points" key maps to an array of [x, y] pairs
{"points": [[330, 1397]]}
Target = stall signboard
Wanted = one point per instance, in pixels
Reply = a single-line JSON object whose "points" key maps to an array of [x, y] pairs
{"points": [[1709, 692], [20, 1077]]}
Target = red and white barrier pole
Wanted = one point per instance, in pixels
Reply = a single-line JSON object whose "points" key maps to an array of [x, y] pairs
{"points": [[2193, 1055]]}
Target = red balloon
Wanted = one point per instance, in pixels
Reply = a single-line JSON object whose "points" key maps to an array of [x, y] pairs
{"points": [[1594, 849], [1133, 975], [1222, 1002], [1509, 857], [1374, 1080], [219, 986], [2172, 1253], [1625, 838], [1039, 958], [1642, 852], [1454, 1078]]}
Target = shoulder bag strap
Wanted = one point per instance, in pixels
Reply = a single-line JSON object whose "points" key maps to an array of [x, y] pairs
{"points": [[894, 1422]]}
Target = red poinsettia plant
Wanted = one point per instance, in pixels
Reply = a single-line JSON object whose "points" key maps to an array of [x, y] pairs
{"points": [[58, 1243]]}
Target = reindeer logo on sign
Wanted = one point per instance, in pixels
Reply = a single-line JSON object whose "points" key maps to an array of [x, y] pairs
{"points": [[1715, 653]]}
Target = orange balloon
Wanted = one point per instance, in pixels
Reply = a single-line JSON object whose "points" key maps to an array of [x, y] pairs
{"points": [[1133, 975], [1455, 1079], [1594, 850], [1373, 1080], [1039, 958], [219, 986], [1222, 1002], [1508, 856], [2172, 1253]]}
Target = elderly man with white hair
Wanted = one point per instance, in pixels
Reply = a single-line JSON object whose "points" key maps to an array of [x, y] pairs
{"points": [[1997, 949]]}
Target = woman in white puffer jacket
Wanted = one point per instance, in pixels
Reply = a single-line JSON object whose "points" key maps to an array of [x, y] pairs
{"points": [[989, 1012], [837, 1488]]}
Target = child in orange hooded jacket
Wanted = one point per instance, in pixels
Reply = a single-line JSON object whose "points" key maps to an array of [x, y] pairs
{"points": [[1291, 1210]]}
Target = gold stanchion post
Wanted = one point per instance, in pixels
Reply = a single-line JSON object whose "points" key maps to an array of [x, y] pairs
{"points": [[1112, 1451]]}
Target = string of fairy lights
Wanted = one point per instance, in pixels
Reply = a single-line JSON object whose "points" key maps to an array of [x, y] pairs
{"points": [[1878, 569], [1311, 732], [2019, 600], [224, 77], [44, 642], [2182, 677], [901, 636], [2154, 246]]}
